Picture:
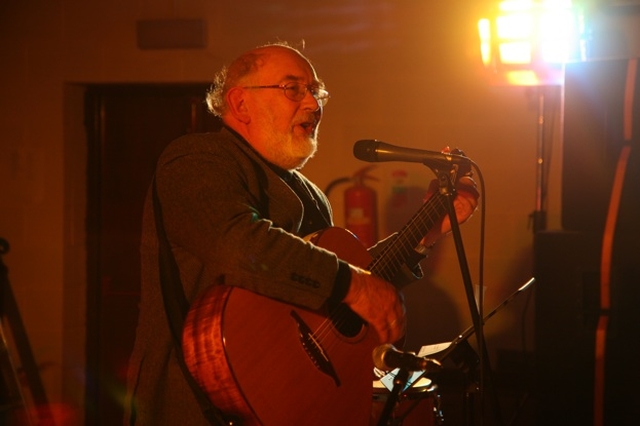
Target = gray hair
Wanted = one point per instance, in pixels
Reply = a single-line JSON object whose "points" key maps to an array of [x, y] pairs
{"points": [[229, 77]]}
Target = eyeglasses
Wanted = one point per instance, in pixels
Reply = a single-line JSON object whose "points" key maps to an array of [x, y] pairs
{"points": [[296, 91]]}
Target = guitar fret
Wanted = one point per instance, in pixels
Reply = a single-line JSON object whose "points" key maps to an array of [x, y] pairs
{"points": [[395, 254]]}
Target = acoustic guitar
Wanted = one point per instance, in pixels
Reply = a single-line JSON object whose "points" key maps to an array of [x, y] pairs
{"points": [[270, 363]]}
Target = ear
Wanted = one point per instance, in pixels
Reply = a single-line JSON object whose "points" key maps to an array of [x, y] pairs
{"points": [[238, 105]]}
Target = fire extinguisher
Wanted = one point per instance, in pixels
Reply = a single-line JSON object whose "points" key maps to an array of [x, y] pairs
{"points": [[360, 208]]}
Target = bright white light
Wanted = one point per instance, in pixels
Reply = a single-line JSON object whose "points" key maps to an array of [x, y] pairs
{"points": [[557, 31], [484, 29], [545, 30], [537, 35], [515, 26], [515, 52], [515, 5]]}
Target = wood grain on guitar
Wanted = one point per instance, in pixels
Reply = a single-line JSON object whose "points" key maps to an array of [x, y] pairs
{"points": [[270, 363]]}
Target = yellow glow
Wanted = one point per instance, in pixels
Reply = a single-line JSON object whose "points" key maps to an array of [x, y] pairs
{"points": [[484, 29], [532, 35], [522, 78]]}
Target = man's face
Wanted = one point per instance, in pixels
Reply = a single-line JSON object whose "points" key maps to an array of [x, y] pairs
{"points": [[282, 130]]}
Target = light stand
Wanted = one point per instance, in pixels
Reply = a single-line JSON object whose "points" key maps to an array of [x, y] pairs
{"points": [[526, 43], [540, 215]]}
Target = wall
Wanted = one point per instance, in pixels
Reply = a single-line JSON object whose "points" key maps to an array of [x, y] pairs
{"points": [[406, 72]]}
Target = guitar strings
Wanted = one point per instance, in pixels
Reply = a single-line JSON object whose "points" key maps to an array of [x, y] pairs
{"points": [[387, 264]]}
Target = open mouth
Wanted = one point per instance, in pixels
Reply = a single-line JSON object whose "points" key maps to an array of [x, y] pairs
{"points": [[308, 126]]}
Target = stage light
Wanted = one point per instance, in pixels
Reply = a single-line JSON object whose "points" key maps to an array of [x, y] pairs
{"points": [[527, 42]]}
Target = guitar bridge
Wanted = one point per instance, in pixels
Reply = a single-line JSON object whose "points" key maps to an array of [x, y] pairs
{"points": [[314, 349]]}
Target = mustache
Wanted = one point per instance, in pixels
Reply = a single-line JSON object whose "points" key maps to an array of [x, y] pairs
{"points": [[308, 118]]}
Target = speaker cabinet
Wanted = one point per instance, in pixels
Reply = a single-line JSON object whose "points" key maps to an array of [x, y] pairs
{"points": [[594, 102], [567, 274], [601, 115], [567, 269]]}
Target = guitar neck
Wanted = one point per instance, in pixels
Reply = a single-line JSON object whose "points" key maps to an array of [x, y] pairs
{"points": [[397, 252]]}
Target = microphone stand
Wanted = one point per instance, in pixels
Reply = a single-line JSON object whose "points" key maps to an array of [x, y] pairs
{"points": [[399, 383], [447, 189], [464, 356]]}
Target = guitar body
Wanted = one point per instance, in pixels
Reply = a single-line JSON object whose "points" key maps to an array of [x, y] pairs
{"points": [[266, 362], [269, 363]]}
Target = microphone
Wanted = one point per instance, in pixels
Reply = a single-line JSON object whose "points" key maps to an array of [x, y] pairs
{"points": [[375, 151], [387, 357]]}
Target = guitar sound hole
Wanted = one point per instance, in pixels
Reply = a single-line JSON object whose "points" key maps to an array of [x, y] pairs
{"points": [[347, 322]]}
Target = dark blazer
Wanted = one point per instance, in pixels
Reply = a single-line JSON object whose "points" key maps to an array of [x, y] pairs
{"points": [[229, 218]]}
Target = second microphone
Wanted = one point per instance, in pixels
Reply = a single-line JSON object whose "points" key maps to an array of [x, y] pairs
{"points": [[387, 357]]}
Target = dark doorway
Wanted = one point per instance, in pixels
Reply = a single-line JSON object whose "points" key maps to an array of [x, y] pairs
{"points": [[127, 127]]}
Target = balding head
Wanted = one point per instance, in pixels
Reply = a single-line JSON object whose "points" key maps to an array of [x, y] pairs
{"points": [[241, 69], [272, 97]]}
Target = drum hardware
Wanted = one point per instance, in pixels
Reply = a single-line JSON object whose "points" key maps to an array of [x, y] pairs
{"points": [[417, 405]]}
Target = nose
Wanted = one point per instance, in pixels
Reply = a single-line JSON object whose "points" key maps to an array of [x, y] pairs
{"points": [[310, 102]]}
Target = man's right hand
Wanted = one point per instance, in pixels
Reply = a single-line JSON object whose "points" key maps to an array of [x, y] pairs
{"points": [[378, 303]]}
